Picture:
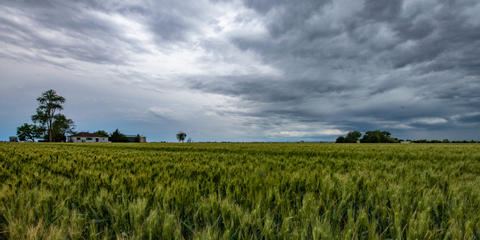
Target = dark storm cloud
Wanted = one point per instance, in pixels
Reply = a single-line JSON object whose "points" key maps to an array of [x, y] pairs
{"points": [[172, 21], [433, 28], [268, 89], [472, 118], [387, 62], [381, 10]]}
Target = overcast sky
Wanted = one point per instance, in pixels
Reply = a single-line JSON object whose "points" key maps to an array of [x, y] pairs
{"points": [[252, 70]]}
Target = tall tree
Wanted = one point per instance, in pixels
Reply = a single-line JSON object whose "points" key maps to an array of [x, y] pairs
{"points": [[62, 126], [49, 105], [181, 136]]}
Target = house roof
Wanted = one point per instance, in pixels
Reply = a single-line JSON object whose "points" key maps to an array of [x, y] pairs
{"points": [[87, 134]]}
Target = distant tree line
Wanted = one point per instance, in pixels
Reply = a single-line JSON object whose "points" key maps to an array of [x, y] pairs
{"points": [[369, 137], [385, 137]]}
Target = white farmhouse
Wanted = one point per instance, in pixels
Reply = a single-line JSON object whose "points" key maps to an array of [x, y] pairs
{"points": [[86, 137]]}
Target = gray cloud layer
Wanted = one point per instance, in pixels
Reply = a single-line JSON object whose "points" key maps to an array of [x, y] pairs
{"points": [[263, 70]]}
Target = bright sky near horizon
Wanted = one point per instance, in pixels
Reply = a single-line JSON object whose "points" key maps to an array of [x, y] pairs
{"points": [[227, 70]]}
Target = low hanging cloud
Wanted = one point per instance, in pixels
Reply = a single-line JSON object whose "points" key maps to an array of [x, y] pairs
{"points": [[248, 70]]}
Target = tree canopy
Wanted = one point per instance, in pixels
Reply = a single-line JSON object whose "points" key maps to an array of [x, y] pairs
{"points": [[340, 139], [369, 137], [102, 132], [378, 137], [49, 104], [28, 132], [181, 136], [49, 123], [352, 137], [62, 126], [117, 136]]}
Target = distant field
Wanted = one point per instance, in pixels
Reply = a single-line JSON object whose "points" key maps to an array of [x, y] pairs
{"points": [[239, 191]]}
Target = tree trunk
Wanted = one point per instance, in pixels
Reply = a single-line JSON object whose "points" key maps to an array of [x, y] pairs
{"points": [[50, 137]]}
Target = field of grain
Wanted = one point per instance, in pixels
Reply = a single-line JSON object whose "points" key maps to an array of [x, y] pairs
{"points": [[239, 191]]}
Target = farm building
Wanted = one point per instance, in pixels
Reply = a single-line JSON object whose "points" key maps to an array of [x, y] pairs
{"points": [[133, 138], [86, 137]]}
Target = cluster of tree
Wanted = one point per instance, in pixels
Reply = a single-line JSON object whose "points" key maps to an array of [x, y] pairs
{"points": [[368, 137], [352, 137], [378, 137], [117, 136], [52, 126], [48, 123], [181, 136]]}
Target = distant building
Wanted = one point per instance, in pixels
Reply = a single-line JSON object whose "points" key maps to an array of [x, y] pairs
{"points": [[13, 139], [133, 138], [86, 137]]}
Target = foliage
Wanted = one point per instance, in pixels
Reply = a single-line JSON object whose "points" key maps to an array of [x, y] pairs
{"points": [[102, 132], [28, 132], [181, 136], [137, 138], [239, 191], [352, 137], [378, 137], [62, 126], [48, 106], [116, 136]]}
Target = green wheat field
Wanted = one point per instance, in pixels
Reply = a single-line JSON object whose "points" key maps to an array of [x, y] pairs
{"points": [[239, 191]]}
